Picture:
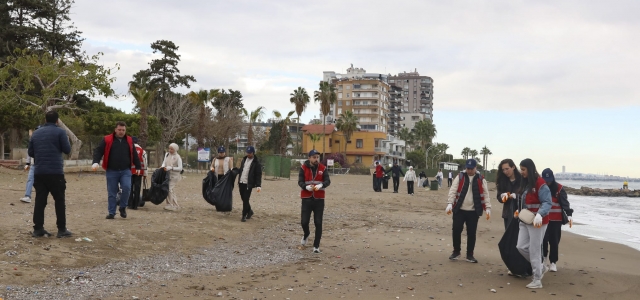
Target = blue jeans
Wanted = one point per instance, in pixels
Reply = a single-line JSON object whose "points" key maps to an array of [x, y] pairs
{"points": [[118, 180], [27, 190]]}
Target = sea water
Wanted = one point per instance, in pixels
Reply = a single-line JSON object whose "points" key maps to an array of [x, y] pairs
{"points": [[613, 219]]}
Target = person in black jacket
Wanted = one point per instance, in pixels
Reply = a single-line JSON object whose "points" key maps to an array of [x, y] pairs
{"points": [[507, 184], [396, 171], [119, 156], [250, 177], [46, 147], [312, 179]]}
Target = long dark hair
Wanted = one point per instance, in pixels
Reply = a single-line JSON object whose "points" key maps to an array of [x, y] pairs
{"points": [[502, 181], [529, 183]]}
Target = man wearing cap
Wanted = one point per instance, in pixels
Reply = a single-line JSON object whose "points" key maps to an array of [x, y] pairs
{"points": [[136, 179], [560, 214], [468, 198], [250, 177], [313, 180], [222, 164]]}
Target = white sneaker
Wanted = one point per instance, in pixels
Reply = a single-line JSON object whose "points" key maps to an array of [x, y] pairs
{"points": [[303, 241], [316, 250], [553, 268], [168, 207], [26, 199], [535, 284]]}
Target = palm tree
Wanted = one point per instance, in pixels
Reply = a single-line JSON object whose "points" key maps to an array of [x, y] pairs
{"points": [[485, 156], [326, 95], [424, 132], [253, 117], [284, 137], [315, 137], [144, 94], [473, 154], [406, 135], [465, 152], [300, 99], [347, 123], [202, 98]]}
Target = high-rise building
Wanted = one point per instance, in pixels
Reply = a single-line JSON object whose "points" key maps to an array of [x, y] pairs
{"points": [[411, 99], [365, 94]]}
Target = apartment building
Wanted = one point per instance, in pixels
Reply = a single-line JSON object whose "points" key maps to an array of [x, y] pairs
{"points": [[364, 147], [411, 96]]}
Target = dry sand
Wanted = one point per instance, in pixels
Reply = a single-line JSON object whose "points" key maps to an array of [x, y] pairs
{"points": [[375, 246]]}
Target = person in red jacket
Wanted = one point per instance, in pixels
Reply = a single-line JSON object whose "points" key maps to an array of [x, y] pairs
{"points": [[379, 175], [537, 199], [559, 215], [313, 180], [136, 179]]}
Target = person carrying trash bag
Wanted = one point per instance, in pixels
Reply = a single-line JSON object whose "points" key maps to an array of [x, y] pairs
{"points": [[507, 185], [560, 214], [396, 171], [536, 199], [468, 198], [173, 164], [377, 180], [222, 164], [136, 179], [313, 180]]}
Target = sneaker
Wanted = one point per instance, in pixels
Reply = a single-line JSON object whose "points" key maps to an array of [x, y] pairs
{"points": [[303, 241], [64, 233], [244, 219], [26, 199], [168, 207], [40, 233], [316, 250], [250, 214], [553, 268], [509, 273], [471, 259], [455, 255], [535, 284], [123, 212], [110, 216]]}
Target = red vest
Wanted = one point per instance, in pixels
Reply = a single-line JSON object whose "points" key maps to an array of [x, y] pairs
{"points": [[379, 171], [533, 202], [461, 179], [310, 178], [555, 214], [140, 152], [108, 139]]}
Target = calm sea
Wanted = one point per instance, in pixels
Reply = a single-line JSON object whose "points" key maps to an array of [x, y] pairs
{"points": [[613, 219]]}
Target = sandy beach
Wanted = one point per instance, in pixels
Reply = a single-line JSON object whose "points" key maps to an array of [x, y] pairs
{"points": [[375, 246]]}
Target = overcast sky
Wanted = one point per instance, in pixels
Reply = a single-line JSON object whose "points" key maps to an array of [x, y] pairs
{"points": [[555, 81]]}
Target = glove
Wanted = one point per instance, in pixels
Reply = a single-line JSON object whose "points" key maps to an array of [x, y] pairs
{"points": [[138, 172], [504, 197], [513, 196], [317, 187], [570, 221], [488, 211], [168, 168], [26, 167], [516, 214], [310, 188], [537, 221], [449, 209], [258, 189], [95, 167]]}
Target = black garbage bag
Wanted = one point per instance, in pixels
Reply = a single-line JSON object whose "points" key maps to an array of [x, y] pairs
{"points": [[512, 258], [222, 194], [159, 186], [208, 183]]}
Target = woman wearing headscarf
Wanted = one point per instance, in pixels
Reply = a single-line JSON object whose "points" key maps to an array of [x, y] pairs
{"points": [[536, 197], [173, 164], [410, 177]]}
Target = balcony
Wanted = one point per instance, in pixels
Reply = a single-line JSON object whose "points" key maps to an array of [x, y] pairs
{"points": [[379, 149]]}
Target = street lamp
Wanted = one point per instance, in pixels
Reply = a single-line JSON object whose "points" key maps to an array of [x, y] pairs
{"points": [[426, 159]]}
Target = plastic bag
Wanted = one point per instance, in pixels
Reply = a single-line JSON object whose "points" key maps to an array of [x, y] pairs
{"points": [[221, 196], [208, 183], [512, 258], [159, 189]]}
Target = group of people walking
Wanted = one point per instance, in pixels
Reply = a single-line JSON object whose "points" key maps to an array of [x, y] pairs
{"points": [[536, 201]]}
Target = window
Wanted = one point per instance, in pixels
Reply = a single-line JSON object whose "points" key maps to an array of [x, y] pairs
{"points": [[348, 87], [348, 94], [340, 102], [358, 158], [348, 103], [330, 142], [359, 143], [339, 110], [339, 95]]}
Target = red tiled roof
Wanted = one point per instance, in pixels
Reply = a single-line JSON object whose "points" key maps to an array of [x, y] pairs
{"points": [[318, 129]]}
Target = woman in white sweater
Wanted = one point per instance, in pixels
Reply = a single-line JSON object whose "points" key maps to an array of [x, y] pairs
{"points": [[410, 177], [173, 164]]}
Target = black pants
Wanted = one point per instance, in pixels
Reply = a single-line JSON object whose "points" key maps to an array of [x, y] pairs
{"points": [[410, 187], [551, 240], [56, 185], [460, 218], [396, 183], [506, 223], [449, 181], [245, 194], [317, 207], [134, 198]]}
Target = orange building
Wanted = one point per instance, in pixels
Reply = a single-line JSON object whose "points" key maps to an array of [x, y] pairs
{"points": [[364, 147]]}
